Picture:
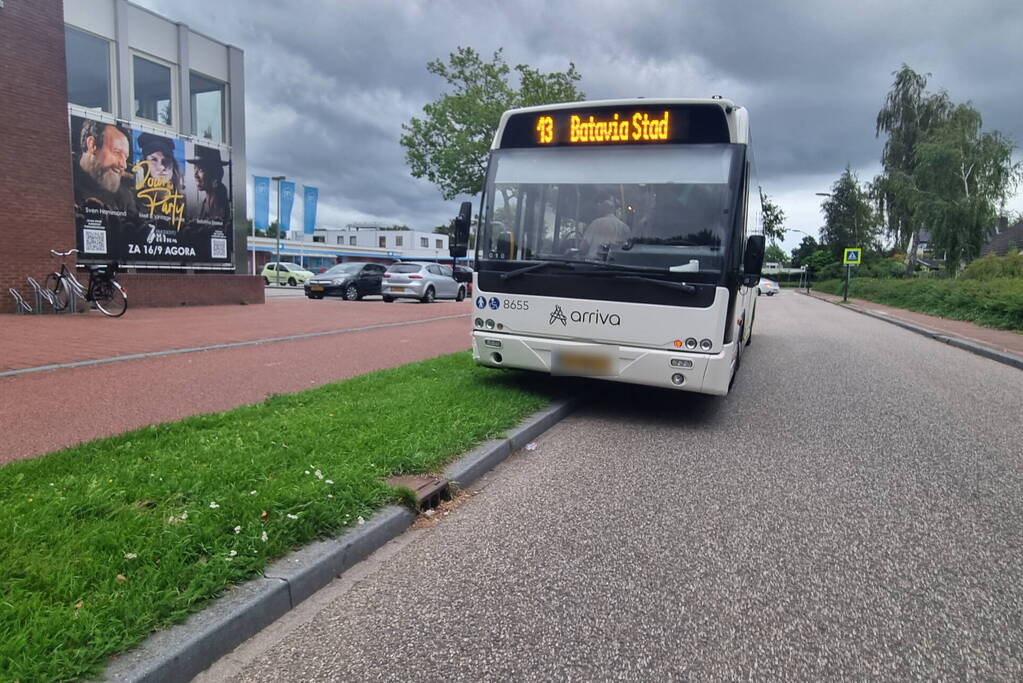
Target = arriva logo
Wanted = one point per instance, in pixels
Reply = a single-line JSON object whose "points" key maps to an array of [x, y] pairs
{"points": [[558, 314], [594, 317]]}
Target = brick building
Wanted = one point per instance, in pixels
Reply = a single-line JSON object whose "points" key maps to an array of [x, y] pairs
{"points": [[34, 215], [83, 76]]}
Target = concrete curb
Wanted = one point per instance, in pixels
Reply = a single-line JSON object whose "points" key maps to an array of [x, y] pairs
{"points": [[1003, 357], [183, 651], [485, 457]]}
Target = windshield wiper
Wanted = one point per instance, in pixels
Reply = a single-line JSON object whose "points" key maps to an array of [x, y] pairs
{"points": [[603, 269], [627, 273], [534, 266], [670, 242]]}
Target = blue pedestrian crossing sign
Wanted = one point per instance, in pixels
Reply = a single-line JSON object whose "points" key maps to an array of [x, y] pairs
{"points": [[852, 256]]}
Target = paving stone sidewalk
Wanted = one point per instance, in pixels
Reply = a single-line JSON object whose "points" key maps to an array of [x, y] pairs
{"points": [[40, 340]]}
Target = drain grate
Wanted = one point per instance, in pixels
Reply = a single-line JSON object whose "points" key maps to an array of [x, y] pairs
{"points": [[430, 491]]}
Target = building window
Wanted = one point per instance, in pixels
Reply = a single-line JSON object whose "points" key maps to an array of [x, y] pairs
{"points": [[153, 88], [383, 241], [207, 107], [351, 241], [340, 240], [88, 70], [424, 242], [399, 240], [440, 244], [319, 238]]}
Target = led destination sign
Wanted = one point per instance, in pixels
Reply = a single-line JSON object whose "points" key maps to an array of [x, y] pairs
{"points": [[639, 128], [617, 126]]}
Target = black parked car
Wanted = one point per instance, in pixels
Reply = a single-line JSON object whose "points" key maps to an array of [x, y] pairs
{"points": [[352, 280]]}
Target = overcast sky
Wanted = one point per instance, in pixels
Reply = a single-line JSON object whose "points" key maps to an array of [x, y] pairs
{"points": [[329, 83]]}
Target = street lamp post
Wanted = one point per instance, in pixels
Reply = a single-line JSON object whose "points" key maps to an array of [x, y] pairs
{"points": [[277, 269]]}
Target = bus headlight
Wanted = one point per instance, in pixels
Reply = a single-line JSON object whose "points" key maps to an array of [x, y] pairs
{"points": [[490, 324], [691, 343], [706, 344], [478, 322], [678, 379]]}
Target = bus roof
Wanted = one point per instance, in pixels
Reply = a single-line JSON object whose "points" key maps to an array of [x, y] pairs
{"points": [[736, 116]]}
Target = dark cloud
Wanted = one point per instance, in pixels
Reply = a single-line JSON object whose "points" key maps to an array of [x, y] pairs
{"points": [[328, 84]]}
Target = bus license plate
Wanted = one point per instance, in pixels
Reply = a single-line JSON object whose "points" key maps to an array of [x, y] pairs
{"points": [[582, 363], [316, 288]]}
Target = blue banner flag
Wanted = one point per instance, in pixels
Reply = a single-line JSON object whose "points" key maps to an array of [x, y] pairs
{"points": [[287, 201], [311, 195], [261, 187]]}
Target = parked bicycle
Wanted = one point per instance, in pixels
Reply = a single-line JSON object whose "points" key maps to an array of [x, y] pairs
{"points": [[102, 290]]}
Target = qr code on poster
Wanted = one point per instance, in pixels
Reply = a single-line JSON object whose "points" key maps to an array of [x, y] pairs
{"points": [[95, 241], [218, 248]]}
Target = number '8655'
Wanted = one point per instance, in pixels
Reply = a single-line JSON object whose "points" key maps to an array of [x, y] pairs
{"points": [[515, 304]]}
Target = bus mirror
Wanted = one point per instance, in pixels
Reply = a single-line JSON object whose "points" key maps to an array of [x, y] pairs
{"points": [[460, 242], [753, 260]]}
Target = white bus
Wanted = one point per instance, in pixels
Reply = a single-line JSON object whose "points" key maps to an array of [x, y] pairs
{"points": [[619, 239]]}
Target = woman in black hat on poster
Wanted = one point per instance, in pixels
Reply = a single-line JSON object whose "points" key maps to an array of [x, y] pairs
{"points": [[209, 178], [158, 153]]}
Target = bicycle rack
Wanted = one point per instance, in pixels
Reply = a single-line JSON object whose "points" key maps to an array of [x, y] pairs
{"points": [[41, 296], [77, 291], [21, 306]]}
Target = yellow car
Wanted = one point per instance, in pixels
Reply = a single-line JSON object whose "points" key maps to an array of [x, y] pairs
{"points": [[285, 273]]}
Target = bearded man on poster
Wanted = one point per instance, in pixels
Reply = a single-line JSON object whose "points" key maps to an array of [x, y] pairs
{"points": [[101, 177]]}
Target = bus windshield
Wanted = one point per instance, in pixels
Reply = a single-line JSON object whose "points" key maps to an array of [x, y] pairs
{"points": [[667, 208]]}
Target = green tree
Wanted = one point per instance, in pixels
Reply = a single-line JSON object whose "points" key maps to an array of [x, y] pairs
{"points": [[849, 218], [775, 254], [801, 253], [820, 259], [271, 230], [907, 115], [774, 219], [449, 145], [962, 176]]}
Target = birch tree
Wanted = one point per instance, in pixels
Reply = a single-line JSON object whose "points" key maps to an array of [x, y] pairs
{"points": [[961, 176], [906, 117]]}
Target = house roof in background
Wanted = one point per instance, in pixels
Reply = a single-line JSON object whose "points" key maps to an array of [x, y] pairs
{"points": [[1000, 243]]}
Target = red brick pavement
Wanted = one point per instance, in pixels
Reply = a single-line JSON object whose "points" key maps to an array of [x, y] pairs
{"points": [[1000, 340], [111, 398], [35, 340]]}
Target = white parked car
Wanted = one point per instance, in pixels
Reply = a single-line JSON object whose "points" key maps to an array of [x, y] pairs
{"points": [[421, 280], [768, 287]]}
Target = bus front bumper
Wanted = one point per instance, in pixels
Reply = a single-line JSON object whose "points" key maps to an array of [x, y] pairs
{"points": [[698, 372]]}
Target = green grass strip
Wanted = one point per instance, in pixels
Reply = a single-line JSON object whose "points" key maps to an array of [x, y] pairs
{"points": [[994, 303], [103, 543]]}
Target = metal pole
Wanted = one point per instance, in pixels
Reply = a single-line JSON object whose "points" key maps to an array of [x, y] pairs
{"points": [[845, 292], [277, 271]]}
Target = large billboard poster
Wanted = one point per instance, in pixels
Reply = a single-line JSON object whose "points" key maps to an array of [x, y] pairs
{"points": [[150, 199]]}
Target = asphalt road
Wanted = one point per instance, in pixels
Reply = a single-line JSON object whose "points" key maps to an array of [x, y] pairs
{"points": [[853, 510]]}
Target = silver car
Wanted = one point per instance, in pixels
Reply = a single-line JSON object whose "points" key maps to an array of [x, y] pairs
{"points": [[768, 287], [421, 280]]}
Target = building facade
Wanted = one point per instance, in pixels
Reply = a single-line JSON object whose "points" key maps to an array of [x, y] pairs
{"points": [[328, 246], [411, 244], [151, 138]]}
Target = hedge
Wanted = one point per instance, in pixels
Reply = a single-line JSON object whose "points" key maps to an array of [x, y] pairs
{"points": [[994, 302]]}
